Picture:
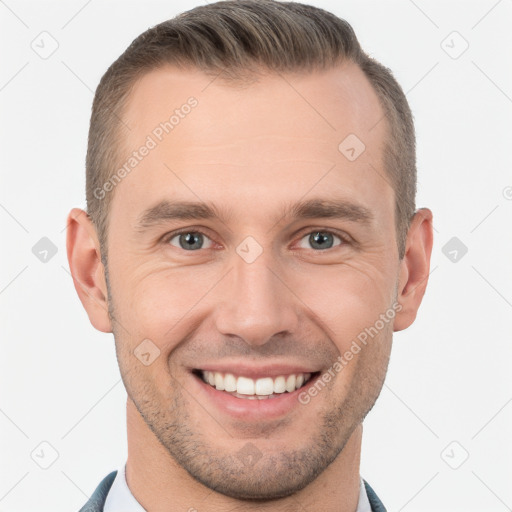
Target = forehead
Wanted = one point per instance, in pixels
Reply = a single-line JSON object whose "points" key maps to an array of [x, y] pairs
{"points": [[327, 104], [279, 136]]}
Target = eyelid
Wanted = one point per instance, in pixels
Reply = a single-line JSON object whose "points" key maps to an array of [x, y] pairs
{"points": [[344, 237], [169, 236]]}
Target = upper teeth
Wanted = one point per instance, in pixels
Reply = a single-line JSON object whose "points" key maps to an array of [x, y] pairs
{"points": [[247, 386]]}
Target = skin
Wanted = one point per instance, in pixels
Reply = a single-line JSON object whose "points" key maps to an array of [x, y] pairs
{"points": [[250, 151]]}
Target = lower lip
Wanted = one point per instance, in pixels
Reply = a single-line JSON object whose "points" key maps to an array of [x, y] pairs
{"points": [[252, 409]]}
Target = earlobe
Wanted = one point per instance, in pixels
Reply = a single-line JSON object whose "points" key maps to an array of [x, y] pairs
{"points": [[414, 268], [84, 258]]}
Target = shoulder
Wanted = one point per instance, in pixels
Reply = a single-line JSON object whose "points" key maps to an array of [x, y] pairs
{"points": [[97, 500]]}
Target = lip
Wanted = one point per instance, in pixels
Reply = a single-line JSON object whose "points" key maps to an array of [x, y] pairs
{"points": [[256, 372], [251, 410]]}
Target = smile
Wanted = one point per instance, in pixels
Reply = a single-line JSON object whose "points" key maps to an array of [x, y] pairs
{"points": [[254, 389]]}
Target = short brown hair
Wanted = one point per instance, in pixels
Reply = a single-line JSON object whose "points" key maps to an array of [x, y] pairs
{"points": [[235, 37]]}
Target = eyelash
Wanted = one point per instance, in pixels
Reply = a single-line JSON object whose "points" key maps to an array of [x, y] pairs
{"points": [[345, 240]]}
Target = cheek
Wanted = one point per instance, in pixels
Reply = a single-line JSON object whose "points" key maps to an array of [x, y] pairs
{"points": [[158, 302], [150, 301], [346, 299], [363, 367]]}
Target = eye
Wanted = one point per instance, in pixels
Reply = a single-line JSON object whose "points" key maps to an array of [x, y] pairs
{"points": [[188, 240], [193, 240], [321, 240]]}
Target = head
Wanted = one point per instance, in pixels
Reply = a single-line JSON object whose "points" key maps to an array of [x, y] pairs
{"points": [[298, 150]]}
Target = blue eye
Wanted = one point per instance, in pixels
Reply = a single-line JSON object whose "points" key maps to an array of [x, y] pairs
{"points": [[188, 240], [321, 240], [193, 240]]}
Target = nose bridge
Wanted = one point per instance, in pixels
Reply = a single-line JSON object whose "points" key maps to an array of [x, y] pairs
{"points": [[256, 303]]}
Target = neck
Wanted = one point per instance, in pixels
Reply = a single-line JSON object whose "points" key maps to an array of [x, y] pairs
{"points": [[158, 483]]}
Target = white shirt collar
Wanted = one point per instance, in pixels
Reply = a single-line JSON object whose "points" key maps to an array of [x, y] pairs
{"points": [[363, 504], [120, 498]]}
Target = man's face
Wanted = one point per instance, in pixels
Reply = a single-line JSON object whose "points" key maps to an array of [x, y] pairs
{"points": [[253, 292]]}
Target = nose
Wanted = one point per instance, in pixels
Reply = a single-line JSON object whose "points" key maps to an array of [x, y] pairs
{"points": [[257, 304]]}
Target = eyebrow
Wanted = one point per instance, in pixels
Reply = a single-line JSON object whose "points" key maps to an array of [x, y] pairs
{"points": [[167, 210]]}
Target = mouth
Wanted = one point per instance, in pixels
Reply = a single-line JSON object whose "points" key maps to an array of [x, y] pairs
{"points": [[253, 395], [261, 388]]}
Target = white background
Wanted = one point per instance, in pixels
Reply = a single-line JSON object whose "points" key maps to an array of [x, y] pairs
{"points": [[449, 376]]}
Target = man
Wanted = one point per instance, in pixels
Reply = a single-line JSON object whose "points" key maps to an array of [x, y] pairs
{"points": [[252, 242]]}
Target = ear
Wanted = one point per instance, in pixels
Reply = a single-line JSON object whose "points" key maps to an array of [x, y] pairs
{"points": [[414, 268], [86, 268]]}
